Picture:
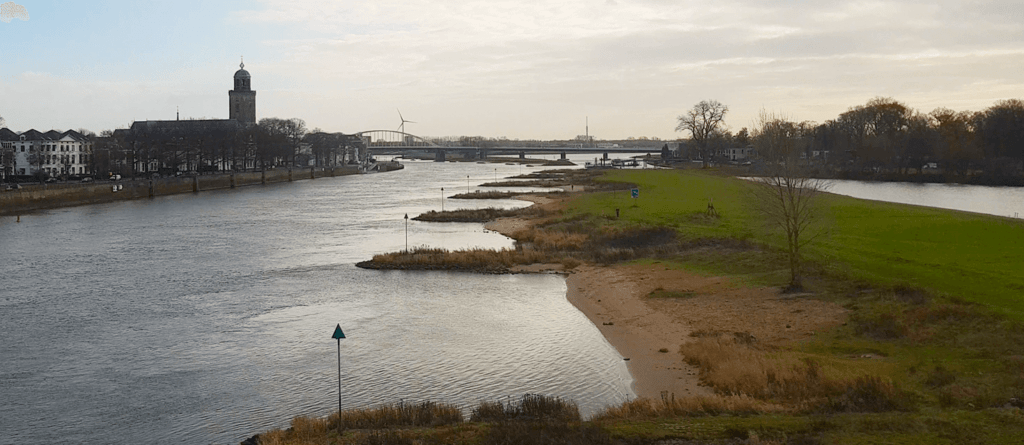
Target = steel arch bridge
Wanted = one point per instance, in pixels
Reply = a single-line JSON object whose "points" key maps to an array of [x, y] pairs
{"points": [[393, 139]]}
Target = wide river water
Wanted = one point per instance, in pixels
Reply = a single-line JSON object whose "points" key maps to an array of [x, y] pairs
{"points": [[207, 318], [1001, 201]]}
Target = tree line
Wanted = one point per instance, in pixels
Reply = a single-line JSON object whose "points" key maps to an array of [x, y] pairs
{"points": [[885, 136], [210, 146]]}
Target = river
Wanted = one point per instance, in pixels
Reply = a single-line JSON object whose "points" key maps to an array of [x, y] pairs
{"points": [[207, 318], [1001, 201]]}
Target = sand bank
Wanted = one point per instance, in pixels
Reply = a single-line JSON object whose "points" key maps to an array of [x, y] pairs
{"points": [[649, 330]]}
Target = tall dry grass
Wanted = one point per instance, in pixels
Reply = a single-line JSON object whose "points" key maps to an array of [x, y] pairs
{"points": [[377, 424], [733, 367], [643, 408], [486, 260], [467, 215], [591, 243], [397, 414], [303, 431], [531, 407], [552, 240]]}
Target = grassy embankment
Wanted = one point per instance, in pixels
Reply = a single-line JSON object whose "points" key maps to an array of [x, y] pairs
{"points": [[934, 344], [933, 350], [972, 257]]}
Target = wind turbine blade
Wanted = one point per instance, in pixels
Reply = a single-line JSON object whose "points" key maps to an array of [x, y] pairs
{"points": [[410, 122], [400, 114]]}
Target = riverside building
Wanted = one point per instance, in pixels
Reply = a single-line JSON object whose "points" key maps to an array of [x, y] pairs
{"points": [[52, 153], [199, 144]]}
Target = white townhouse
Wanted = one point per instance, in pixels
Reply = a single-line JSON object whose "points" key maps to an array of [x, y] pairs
{"points": [[54, 153]]}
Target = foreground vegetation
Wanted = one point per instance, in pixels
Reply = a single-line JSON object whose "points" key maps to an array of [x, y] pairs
{"points": [[932, 350]]}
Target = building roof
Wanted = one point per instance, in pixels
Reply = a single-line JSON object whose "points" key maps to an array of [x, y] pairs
{"points": [[241, 73], [186, 128], [34, 135], [74, 135], [7, 135]]}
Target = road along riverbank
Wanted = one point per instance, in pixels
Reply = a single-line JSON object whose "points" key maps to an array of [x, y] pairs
{"points": [[48, 196]]}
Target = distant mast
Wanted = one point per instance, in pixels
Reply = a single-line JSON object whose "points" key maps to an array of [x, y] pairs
{"points": [[588, 132]]}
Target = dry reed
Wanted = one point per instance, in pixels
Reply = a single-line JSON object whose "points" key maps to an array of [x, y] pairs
{"points": [[733, 367], [396, 414], [643, 408], [481, 260]]}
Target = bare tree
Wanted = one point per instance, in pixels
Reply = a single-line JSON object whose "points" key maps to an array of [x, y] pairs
{"points": [[786, 194], [705, 122], [958, 149]]}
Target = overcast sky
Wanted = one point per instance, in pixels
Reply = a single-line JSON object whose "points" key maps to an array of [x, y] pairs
{"points": [[519, 69]]}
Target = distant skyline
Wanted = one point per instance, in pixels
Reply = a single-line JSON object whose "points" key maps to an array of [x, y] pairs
{"points": [[517, 69]]}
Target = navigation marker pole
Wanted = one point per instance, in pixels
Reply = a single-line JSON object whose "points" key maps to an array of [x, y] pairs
{"points": [[406, 242], [338, 335]]}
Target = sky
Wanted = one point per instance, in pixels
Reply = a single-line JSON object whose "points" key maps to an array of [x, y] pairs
{"points": [[520, 69]]}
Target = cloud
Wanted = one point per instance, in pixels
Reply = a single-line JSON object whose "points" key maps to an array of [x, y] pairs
{"points": [[11, 10]]}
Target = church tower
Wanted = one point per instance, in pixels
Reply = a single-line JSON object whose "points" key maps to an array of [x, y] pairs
{"points": [[242, 99]]}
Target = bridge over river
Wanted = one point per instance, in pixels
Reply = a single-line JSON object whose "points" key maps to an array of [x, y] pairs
{"points": [[399, 143]]}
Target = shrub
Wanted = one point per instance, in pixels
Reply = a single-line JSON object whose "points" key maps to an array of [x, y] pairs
{"points": [[940, 377], [869, 394], [880, 326], [532, 407]]}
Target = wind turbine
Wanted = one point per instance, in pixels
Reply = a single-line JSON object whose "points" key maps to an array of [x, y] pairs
{"points": [[402, 127]]}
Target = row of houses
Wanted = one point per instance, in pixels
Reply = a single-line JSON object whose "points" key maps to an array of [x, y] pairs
{"points": [[52, 153], [739, 154]]}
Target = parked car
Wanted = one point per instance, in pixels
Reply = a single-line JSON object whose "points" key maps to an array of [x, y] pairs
{"points": [[13, 186], [115, 177], [87, 179], [51, 179]]}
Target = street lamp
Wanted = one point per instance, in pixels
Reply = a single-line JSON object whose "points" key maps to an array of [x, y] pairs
{"points": [[406, 233]]}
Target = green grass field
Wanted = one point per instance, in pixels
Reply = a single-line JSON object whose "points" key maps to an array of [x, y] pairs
{"points": [[971, 257]]}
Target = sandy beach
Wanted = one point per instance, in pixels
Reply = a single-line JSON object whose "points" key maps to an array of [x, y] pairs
{"points": [[616, 299], [647, 331]]}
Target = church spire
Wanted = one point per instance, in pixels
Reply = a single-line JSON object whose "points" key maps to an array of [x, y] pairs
{"points": [[242, 65]]}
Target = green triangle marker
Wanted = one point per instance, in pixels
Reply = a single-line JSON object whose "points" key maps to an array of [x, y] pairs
{"points": [[337, 333]]}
